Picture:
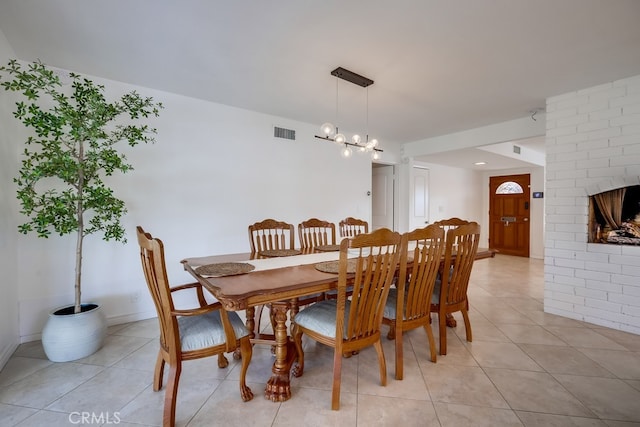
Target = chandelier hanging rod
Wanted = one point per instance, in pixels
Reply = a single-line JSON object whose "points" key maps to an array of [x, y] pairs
{"points": [[328, 138]]}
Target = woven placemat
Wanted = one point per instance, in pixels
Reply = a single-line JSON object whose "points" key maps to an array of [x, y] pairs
{"points": [[224, 269], [279, 252], [334, 266], [327, 248]]}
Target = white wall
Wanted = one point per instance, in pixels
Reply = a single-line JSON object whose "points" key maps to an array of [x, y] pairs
{"points": [[8, 233], [213, 171], [453, 192], [593, 136]]}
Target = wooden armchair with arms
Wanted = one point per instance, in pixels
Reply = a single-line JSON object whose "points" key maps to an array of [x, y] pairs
{"points": [[450, 292], [350, 324], [351, 227], [409, 304], [187, 334]]}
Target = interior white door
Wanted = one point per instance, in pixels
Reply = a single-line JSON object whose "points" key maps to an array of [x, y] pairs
{"points": [[419, 200], [382, 197]]}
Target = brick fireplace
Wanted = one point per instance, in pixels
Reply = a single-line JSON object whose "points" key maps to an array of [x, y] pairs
{"points": [[593, 146]]}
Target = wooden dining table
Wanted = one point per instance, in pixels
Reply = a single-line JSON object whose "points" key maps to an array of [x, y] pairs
{"points": [[279, 287]]}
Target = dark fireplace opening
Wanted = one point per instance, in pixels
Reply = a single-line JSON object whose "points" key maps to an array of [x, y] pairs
{"points": [[615, 221]]}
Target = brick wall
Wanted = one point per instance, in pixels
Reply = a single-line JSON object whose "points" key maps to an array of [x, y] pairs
{"points": [[593, 138]]}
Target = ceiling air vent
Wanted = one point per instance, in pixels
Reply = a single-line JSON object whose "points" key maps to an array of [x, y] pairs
{"points": [[516, 149], [279, 132]]}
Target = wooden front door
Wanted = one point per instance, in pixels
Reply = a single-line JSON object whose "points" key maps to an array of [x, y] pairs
{"points": [[509, 199]]}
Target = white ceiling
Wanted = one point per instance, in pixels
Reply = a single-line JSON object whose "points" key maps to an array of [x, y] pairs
{"points": [[438, 66], [469, 158]]}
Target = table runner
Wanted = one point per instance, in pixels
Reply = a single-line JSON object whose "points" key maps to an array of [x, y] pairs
{"points": [[272, 263]]}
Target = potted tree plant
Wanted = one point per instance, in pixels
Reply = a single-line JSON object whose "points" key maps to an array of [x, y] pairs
{"points": [[60, 182]]}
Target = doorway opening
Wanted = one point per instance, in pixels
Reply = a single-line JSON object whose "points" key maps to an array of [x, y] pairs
{"points": [[382, 197]]}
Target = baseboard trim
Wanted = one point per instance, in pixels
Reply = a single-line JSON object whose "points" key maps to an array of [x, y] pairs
{"points": [[128, 318]]}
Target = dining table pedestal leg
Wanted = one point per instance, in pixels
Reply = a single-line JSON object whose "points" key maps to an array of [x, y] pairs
{"points": [[251, 321], [279, 386]]}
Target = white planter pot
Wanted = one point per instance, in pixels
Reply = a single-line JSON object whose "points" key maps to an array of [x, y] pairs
{"points": [[67, 337]]}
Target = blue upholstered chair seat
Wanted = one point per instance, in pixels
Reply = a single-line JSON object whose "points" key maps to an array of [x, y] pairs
{"points": [[206, 330], [390, 311], [392, 301], [321, 317], [435, 297]]}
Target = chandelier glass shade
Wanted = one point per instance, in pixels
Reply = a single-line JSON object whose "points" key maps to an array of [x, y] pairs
{"points": [[328, 129], [330, 132]]}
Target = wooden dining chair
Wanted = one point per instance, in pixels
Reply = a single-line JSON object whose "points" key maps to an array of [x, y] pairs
{"points": [[368, 262], [446, 225], [350, 227], [271, 234], [450, 292], [409, 304], [187, 334], [316, 232], [449, 223]]}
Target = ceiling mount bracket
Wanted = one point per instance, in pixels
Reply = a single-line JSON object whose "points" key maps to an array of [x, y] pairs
{"points": [[352, 77]]}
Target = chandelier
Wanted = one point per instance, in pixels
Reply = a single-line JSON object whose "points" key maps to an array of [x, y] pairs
{"points": [[330, 132]]}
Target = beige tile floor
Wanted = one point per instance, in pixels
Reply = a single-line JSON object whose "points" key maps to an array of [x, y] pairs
{"points": [[524, 367]]}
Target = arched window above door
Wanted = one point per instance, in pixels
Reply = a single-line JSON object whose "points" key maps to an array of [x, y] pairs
{"points": [[509, 187]]}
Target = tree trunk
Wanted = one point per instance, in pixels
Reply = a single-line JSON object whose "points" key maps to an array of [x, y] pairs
{"points": [[80, 237]]}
